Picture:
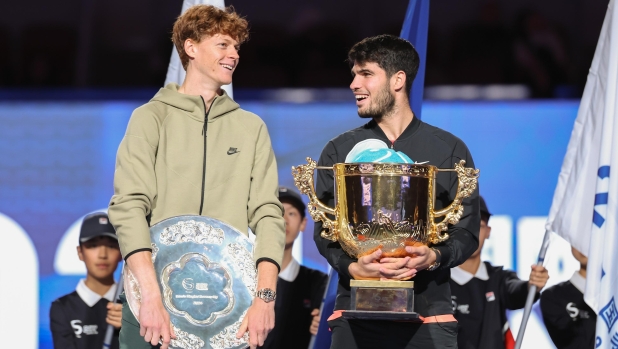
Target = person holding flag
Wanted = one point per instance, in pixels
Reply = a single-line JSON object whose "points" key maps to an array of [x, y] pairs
{"points": [[191, 150], [299, 288], [584, 209], [481, 293], [78, 319]]}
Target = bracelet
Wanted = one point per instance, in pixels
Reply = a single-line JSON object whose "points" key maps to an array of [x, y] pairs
{"points": [[435, 264]]}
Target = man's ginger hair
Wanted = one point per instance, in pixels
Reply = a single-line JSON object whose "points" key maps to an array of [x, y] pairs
{"points": [[206, 20]]}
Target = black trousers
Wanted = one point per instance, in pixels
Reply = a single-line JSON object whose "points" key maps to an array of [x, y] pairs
{"points": [[365, 334]]}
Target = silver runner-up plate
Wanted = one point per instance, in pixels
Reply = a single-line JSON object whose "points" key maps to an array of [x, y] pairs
{"points": [[207, 278]]}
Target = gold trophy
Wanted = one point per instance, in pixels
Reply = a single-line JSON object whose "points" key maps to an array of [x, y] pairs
{"points": [[384, 206]]}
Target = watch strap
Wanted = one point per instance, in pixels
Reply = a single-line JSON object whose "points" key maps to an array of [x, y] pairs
{"points": [[435, 264]]}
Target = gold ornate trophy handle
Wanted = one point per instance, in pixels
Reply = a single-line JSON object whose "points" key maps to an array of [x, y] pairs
{"points": [[303, 179], [467, 178]]}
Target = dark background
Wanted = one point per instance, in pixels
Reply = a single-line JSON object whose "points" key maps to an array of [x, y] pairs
{"points": [[547, 45]]}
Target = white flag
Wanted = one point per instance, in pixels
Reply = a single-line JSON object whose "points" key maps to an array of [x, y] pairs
{"points": [[585, 206], [175, 72]]}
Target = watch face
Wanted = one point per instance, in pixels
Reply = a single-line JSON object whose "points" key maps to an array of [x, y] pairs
{"points": [[267, 294]]}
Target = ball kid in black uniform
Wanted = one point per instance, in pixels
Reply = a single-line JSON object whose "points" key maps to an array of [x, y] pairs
{"points": [[571, 323], [79, 319], [481, 294], [299, 289]]}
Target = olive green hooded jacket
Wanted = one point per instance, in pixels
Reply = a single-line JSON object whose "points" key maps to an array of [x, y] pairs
{"points": [[161, 171]]}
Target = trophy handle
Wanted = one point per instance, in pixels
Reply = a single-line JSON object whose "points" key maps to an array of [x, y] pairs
{"points": [[303, 179], [468, 179]]}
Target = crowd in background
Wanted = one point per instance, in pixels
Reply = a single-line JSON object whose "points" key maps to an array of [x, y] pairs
{"points": [[110, 44]]}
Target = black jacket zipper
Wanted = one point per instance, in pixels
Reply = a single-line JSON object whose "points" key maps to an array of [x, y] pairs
{"points": [[205, 134]]}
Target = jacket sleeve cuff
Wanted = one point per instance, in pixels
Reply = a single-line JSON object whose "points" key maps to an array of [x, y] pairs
{"points": [[445, 256], [343, 265], [135, 251], [266, 259]]}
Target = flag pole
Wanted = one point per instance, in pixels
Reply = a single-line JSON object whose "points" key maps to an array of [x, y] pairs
{"points": [[323, 338], [324, 299], [531, 293], [107, 342]]}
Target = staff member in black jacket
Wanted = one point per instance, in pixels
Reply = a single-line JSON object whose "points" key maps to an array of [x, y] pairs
{"points": [[571, 322], [79, 319], [383, 68], [299, 289], [482, 293]]}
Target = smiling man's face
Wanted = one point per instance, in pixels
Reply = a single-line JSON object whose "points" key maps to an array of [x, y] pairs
{"points": [[371, 88], [216, 57]]}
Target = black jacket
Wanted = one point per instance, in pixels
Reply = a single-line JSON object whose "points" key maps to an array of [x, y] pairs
{"points": [[571, 323], [295, 301], [503, 290], [75, 325], [421, 142]]}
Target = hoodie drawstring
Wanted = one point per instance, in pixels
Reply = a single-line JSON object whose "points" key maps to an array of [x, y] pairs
{"points": [[204, 133]]}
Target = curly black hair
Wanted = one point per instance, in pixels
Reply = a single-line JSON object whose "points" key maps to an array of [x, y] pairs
{"points": [[390, 52]]}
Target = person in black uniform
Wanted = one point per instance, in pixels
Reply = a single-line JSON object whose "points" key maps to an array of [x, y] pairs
{"points": [[79, 319], [571, 323], [481, 294], [299, 289], [383, 68]]}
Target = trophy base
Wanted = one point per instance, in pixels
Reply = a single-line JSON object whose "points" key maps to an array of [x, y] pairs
{"points": [[381, 315], [382, 300]]}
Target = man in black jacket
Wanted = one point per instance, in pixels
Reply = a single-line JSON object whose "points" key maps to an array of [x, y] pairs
{"points": [[482, 293], [383, 68]]}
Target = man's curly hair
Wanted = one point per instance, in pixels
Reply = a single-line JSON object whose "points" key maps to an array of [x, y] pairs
{"points": [[206, 20], [390, 52]]}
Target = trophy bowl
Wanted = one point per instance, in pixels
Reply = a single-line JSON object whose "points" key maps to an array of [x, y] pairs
{"points": [[384, 205], [207, 277]]}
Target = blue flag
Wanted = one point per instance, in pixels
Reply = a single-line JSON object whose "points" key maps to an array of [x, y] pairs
{"points": [[415, 27]]}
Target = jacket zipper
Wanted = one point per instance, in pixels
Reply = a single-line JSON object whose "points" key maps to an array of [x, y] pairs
{"points": [[205, 134]]}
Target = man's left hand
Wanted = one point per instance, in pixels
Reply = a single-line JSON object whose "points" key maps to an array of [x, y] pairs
{"points": [[114, 314], [259, 321]]}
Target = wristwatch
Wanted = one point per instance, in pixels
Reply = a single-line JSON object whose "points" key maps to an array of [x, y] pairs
{"points": [[266, 294], [435, 264]]}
